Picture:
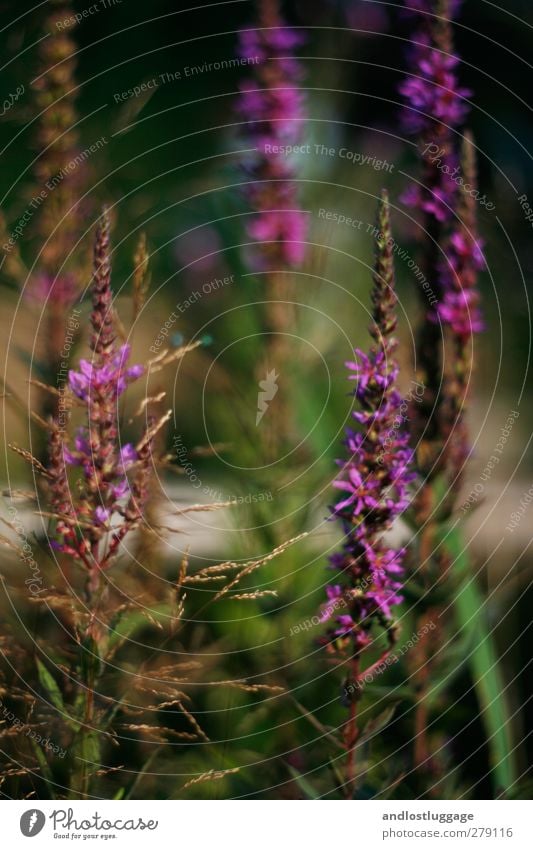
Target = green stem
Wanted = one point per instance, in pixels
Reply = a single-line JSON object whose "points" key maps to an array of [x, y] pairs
{"points": [[485, 665]]}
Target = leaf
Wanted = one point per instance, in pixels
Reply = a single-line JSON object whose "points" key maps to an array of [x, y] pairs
{"points": [[326, 732], [377, 723], [397, 691], [337, 775], [86, 758], [307, 789], [45, 768], [55, 695], [127, 621], [392, 784], [50, 685], [90, 748], [471, 613], [140, 775]]}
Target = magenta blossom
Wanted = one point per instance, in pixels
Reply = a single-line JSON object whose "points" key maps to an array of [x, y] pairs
{"points": [[94, 515], [111, 376], [62, 289], [459, 307], [374, 478], [271, 109]]}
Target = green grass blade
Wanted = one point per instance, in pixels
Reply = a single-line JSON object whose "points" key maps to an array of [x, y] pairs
{"points": [[471, 613]]}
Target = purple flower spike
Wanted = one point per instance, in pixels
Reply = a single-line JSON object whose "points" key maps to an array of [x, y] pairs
{"points": [[435, 110], [271, 108], [104, 495], [464, 259], [436, 105], [374, 480]]}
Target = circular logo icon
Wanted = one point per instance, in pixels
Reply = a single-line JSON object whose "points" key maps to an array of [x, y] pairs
{"points": [[32, 822]]}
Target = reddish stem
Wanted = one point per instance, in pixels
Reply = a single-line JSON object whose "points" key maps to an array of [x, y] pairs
{"points": [[421, 752], [374, 666]]}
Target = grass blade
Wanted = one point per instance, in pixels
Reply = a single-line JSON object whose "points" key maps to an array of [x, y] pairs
{"points": [[471, 614]]}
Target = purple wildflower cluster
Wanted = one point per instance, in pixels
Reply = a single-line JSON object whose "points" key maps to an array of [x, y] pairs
{"points": [[113, 376], [43, 287], [93, 384], [271, 104], [436, 107], [460, 302], [464, 258], [375, 478], [106, 501]]}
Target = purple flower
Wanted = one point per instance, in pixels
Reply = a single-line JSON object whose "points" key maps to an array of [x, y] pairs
{"points": [[112, 376], [271, 108], [433, 93], [375, 477], [464, 259], [128, 456], [284, 229], [62, 289], [103, 491], [435, 110], [99, 384], [273, 40], [435, 106], [102, 515]]}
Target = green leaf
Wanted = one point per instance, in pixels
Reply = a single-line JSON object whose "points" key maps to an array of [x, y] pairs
{"points": [[471, 613], [307, 789], [140, 775], [50, 685], [126, 622], [90, 748], [86, 758], [337, 774], [45, 768], [377, 723], [378, 691]]}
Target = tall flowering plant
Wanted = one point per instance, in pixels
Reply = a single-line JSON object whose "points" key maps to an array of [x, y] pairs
{"points": [[51, 284], [272, 109], [373, 483], [446, 199], [95, 496], [436, 107], [56, 169], [83, 528], [97, 490], [460, 312]]}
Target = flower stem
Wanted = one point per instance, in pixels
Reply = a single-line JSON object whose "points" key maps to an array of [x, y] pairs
{"points": [[351, 733]]}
